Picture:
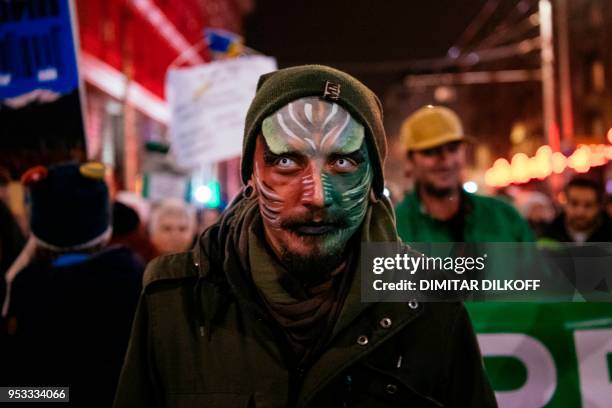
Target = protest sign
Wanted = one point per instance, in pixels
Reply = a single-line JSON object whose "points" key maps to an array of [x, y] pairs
{"points": [[209, 104]]}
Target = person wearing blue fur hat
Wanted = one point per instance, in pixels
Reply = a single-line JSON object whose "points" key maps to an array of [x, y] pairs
{"points": [[70, 297]]}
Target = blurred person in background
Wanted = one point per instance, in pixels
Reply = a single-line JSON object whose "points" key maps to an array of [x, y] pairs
{"points": [[128, 231], [70, 298], [172, 226], [266, 309], [609, 205], [11, 244], [439, 209], [583, 218], [5, 179], [208, 217], [538, 210], [5, 198]]}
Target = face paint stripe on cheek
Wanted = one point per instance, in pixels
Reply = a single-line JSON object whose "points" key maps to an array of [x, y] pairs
{"points": [[355, 200], [308, 186], [328, 188], [361, 186], [271, 203]]}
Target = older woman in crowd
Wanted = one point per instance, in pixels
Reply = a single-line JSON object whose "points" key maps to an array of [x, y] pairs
{"points": [[172, 226]]}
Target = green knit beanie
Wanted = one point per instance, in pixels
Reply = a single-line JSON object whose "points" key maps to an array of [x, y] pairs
{"points": [[277, 89]]}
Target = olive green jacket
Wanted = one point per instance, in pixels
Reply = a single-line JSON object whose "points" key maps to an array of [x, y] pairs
{"points": [[201, 338]]}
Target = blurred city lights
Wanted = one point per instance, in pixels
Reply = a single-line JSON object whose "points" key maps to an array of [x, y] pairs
{"points": [[522, 168], [203, 194], [208, 195], [470, 186], [580, 160], [559, 162], [519, 168], [518, 133]]}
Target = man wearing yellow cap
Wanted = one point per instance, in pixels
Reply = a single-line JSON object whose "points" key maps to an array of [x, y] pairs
{"points": [[439, 210]]}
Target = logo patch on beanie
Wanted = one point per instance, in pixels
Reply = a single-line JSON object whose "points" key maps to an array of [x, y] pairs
{"points": [[332, 91]]}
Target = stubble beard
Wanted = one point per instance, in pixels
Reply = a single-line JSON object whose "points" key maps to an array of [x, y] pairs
{"points": [[317, 264]]}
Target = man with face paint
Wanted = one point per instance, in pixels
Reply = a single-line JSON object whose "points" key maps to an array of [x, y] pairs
{"points": [[313, 176], [265, 311]]}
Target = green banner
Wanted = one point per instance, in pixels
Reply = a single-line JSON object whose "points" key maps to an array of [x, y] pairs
{"points": [[547, 355]]}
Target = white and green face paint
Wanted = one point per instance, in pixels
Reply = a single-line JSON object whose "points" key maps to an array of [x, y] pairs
{"points": [[314, 174]]}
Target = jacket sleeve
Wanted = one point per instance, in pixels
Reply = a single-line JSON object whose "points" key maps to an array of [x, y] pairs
{"points": [[468, 385], [137, 383]]}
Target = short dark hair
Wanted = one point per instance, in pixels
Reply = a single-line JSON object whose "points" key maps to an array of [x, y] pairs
{"points": [[585, 182]]}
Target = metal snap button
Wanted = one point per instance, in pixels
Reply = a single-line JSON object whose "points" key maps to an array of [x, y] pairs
{"points": [[362, 340], [391, 389], [385, 323], [413, 304]]}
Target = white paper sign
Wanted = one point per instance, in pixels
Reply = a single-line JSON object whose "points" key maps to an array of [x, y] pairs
{"points": [[166, 185], [209, 105]]}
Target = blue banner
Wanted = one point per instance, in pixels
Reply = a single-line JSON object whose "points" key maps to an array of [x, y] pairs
{"points": [[37, 47], [40, 100]]}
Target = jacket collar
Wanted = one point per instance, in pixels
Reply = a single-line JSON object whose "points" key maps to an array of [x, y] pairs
{"points": [[466, 201]]}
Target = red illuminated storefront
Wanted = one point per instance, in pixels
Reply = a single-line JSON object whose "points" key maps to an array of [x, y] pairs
{"points": [[126, 49]]}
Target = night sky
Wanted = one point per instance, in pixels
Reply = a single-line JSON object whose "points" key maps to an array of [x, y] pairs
{"points": [[354, 35]]}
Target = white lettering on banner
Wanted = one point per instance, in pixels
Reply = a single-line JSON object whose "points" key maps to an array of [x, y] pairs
{"points": [[539, 364], [592, 349], [209, 104]]}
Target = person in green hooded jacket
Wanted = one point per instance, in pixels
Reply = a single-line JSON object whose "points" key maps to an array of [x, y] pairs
{"points": [[266, 310]]}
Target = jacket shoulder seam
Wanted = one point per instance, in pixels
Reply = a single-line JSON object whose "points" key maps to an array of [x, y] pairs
{"points": [[170, 267]]}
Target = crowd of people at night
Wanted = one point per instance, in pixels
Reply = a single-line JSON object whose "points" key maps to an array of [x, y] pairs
{"points": [[73, 286]]}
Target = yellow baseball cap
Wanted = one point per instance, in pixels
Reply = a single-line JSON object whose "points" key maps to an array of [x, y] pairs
{"points": [[429, 127]]}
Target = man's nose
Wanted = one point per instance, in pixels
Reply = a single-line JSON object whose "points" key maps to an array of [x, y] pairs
{"points": [[316, 189], [445, 156]]}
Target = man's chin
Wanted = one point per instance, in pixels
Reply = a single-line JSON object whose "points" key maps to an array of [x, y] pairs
{"points": [[310, 265], [302, 245], [441, 188]]}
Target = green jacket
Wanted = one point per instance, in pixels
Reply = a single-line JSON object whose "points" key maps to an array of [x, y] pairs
{"points": [[487, 220], [202, 338], [490, 227]]}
